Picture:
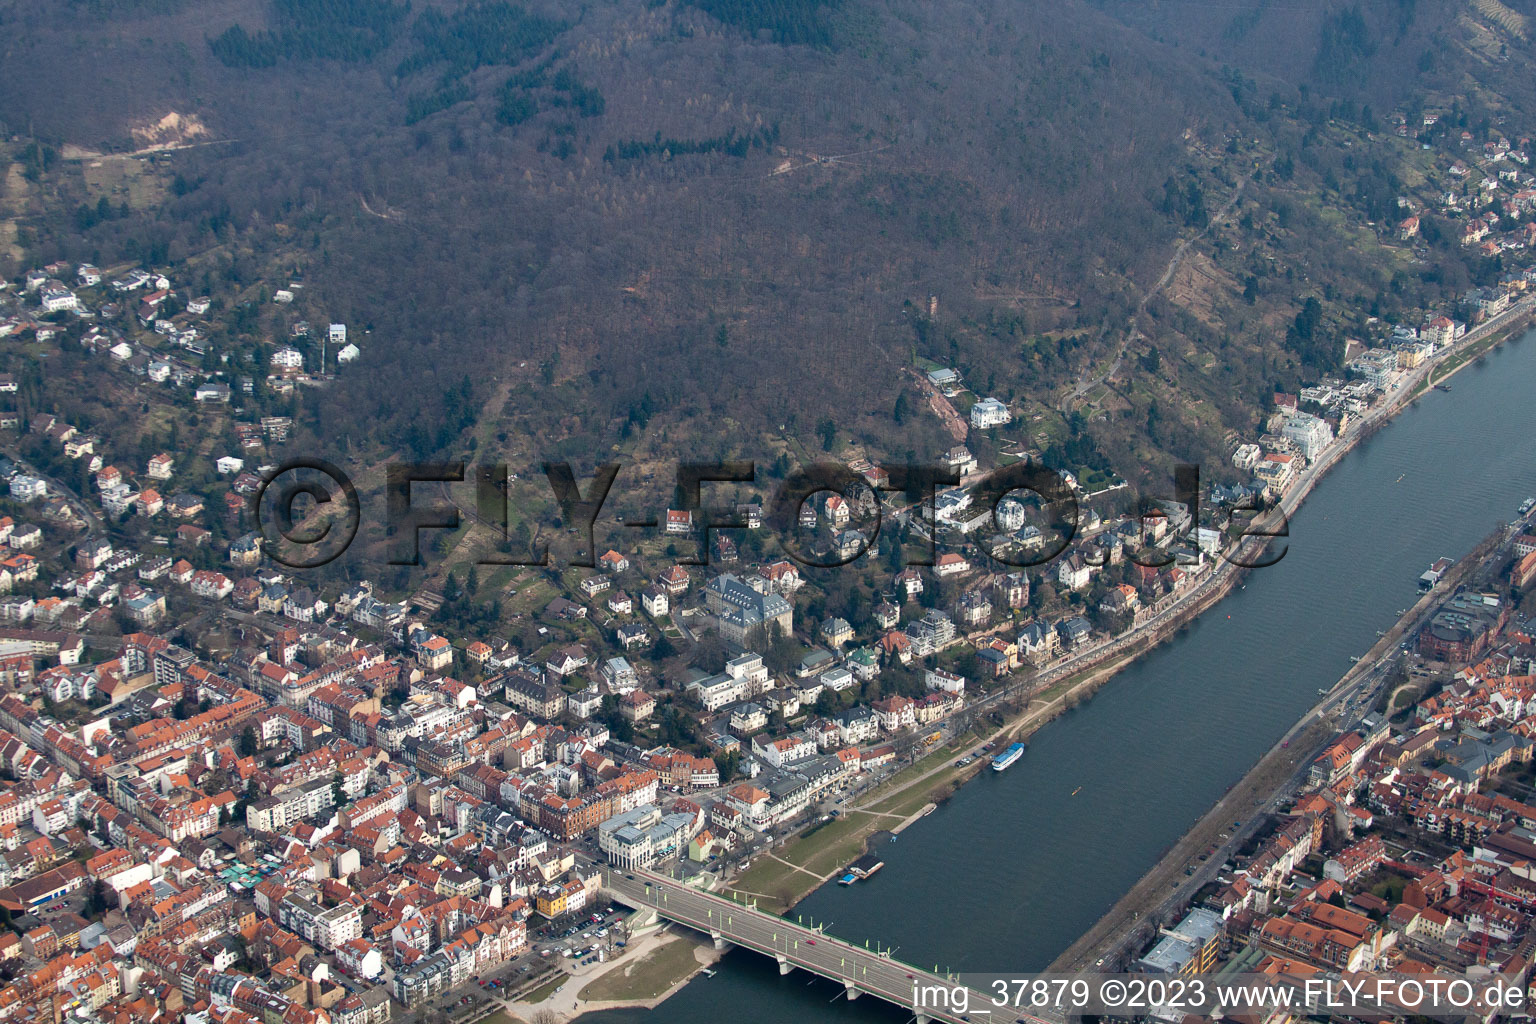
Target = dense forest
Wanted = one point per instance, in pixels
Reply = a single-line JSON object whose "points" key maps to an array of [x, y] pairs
{"points": [[740, 227], [350, 30], [806, 22]]}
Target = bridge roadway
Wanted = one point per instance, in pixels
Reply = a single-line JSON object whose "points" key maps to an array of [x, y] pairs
{"points": [[859, 970]]}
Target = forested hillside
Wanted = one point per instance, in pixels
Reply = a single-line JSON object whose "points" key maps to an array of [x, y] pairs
{"points": [[700, 228]]}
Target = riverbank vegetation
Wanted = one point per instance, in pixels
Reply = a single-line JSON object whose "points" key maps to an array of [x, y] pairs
{"points": [[648, 977]]}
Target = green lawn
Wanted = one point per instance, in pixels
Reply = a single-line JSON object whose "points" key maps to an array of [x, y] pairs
{"points": [[535, 595], [646, 978], [501, 1017], [903, 805], [832, 846], [839, 850], [546, 990], [773, 884], [843, 837]]}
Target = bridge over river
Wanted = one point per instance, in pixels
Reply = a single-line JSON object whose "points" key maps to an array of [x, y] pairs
{"points": [[929, 996]]}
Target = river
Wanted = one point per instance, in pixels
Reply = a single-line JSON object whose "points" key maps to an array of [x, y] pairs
{"points": [[1011, 870]]}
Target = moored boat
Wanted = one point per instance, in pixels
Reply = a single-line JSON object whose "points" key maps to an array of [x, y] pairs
{"points": [[1007, 757]]}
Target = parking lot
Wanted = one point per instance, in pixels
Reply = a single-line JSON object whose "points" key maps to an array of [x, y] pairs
{"points": [[555, 948]]}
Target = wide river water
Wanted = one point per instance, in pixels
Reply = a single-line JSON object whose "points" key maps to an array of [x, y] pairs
{"points": [[1010, 871]]}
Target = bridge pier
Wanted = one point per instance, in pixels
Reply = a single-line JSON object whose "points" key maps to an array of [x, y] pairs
{"points": [[784, 965], [851, 991], [719, 940], [922, 1018]]}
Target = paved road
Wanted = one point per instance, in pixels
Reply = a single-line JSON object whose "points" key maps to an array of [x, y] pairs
{"points": [[1294, 495], [94, 527], [1341, 708], [529, 970], [793, 945]]}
